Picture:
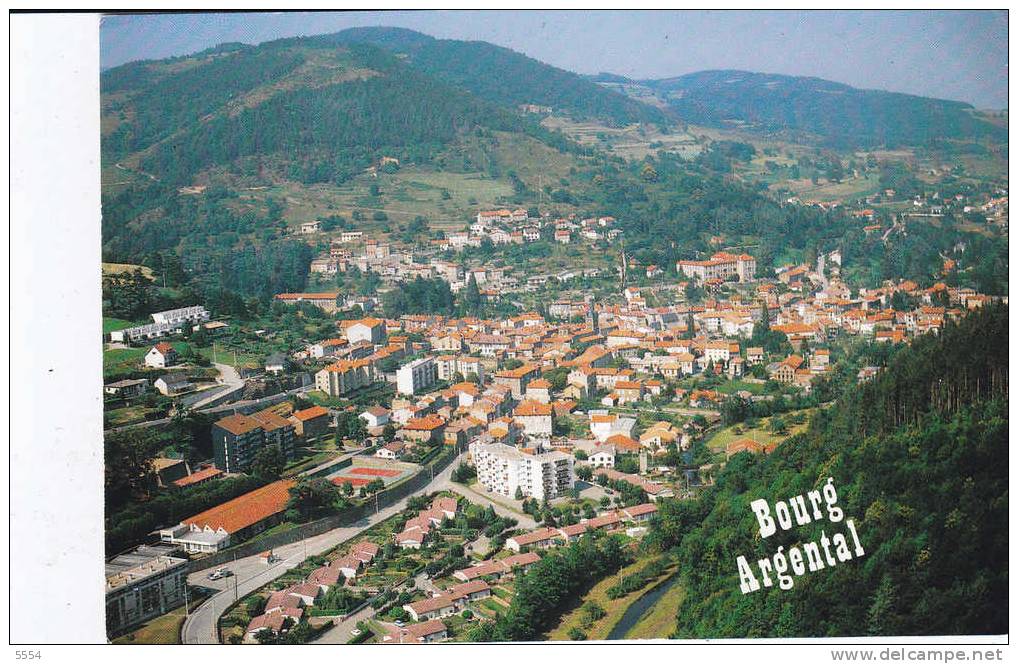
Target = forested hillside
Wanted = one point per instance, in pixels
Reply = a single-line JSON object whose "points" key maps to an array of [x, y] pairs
{"points": [[919, 458], [504, 76], [323, 108], [837, 114]]}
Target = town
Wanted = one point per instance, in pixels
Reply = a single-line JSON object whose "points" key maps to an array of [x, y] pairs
{"points": [[375, 476]]}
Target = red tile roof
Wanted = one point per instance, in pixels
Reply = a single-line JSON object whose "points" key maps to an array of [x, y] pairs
{"points": [[246, 510]]}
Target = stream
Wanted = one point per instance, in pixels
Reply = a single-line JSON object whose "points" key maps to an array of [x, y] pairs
{"points": [[639, 608]]}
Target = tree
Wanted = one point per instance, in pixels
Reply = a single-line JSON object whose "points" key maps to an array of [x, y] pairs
{"points": [[519, 494], [313, 497], [473, 301], [584, 473], [268, 463]]}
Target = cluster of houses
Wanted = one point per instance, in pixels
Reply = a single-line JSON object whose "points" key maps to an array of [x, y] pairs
{"points": [[416, 530], [615, 520], [286, 607]]}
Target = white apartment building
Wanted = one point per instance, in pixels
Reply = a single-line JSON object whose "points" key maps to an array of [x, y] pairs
{"points": [[503, 468], [163, 323], [448, 365], [416, 376]]}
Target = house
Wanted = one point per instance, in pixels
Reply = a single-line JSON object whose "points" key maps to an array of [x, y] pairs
{"points": [[128, 388], [371, 330], [199, 477], [391, 451], [603, 456], [425, 632], [175, 382], [310, 422], [535, 417], [518, 563], [427, 429], [376, 416], [640, 513], [276, 363], [543, 538], [539, 390], [517, 379], [161, 355], [748, 445], [309, 227]]}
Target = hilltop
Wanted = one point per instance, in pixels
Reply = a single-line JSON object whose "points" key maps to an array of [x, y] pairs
{"points": [[832, 113]]}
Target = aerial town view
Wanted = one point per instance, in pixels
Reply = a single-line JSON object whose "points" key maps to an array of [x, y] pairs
{"points": [[414, 340]]}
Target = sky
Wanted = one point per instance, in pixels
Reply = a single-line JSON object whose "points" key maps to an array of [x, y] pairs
{"points": [[958, 55]]}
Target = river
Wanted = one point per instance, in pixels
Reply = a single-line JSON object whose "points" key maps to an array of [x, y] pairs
{"points": [[639, 608]]}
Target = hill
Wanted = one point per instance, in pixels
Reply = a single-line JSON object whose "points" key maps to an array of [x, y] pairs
{"points": [[838, 114], [327, 109], [919, 461], [504, 76]]}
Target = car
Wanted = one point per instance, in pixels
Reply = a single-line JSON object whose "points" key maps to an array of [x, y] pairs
{"points": [[400, 623], [215, 576], [225, 572], [355, 632]]}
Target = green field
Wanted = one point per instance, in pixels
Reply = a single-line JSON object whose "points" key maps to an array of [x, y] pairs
{"points": [[164, 630], [112, 324], [761, 433]]}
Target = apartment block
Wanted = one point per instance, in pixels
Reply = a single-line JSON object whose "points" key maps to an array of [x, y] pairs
{"points": [[503, 468]]}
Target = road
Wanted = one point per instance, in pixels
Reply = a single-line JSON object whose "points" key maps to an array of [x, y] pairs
{"points": [[231, 382], [251, 573]]}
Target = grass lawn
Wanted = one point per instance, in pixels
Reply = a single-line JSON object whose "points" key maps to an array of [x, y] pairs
{"points": [[614, 607], [659, 622], [112, 324], [719, 441], [129, 415], [733, 386], [164, 630]]}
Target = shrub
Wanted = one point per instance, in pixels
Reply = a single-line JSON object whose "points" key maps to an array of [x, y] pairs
{"points": [[577, 634]]}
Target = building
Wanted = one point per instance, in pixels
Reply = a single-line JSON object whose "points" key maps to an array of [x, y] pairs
{"points": [[535, 417], [310, 227], [376, 416], [415, 376], [143, 584], [127, 388], [450, 365], [345, 376], [324, 301], [161, 355], [237, 439], [503, 469], [163, 323], [427, 429], [721, 265], [276, 363], [232, 521], [517, 379], [175, 382], [310, 422], [371, 330]]}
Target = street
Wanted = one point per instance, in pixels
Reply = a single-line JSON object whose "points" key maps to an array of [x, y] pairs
{"points": [[251, 573]]}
